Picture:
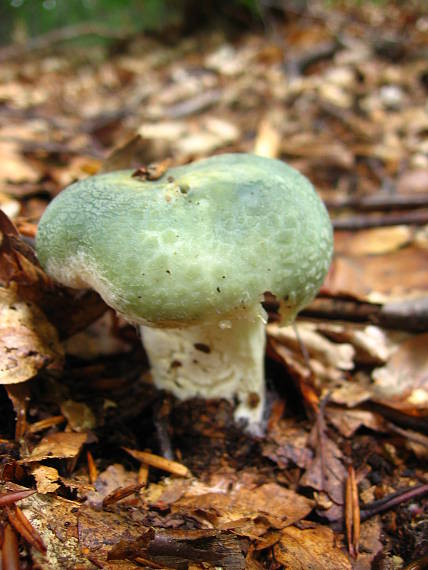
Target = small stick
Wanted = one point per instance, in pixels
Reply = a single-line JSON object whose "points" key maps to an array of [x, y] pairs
{"points": [[149, 563], [393, 500], [352, 513], [355, 223], [349, 513], [380, 201], [45, 424], [277, 411], [22, 525], [121, 493], [411, 315], [356, 519], [92, 468], [161, 421], [10, 552], [143, 474], [159, 462]]}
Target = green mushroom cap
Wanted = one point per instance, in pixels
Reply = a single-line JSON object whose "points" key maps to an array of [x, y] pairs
{"points": [[205, 240]]}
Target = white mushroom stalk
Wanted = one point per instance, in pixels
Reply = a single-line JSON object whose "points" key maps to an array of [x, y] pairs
{"points": [[188, 257], [218, 359]]}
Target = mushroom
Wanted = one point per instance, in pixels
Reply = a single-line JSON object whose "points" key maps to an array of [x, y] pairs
{"points": [[189, 257]]}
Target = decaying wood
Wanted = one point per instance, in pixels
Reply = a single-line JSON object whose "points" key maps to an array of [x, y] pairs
{"points": [[355, 223], [380, 201], [178, 548]]}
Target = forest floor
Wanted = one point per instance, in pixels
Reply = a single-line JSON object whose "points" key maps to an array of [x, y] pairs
{"points": [[99, 469]]}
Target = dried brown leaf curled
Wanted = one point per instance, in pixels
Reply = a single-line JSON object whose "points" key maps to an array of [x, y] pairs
{"points": [[28, 341], [62, 445]]}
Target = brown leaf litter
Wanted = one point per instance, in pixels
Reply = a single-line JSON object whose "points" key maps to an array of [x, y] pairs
{"points": [[337, 92]]}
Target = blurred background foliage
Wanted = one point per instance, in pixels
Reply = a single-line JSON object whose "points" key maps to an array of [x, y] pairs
{"points": [[23, 19]]}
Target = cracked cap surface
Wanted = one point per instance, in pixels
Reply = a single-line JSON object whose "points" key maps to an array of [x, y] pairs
{"points": [[205, 239]]}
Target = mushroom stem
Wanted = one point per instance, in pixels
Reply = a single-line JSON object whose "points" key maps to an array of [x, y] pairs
{"points": [[220, 359]]}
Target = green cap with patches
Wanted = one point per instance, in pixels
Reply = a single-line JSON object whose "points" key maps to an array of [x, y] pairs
{"points": [[204, 240]]}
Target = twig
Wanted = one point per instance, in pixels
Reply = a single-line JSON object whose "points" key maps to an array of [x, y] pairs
{"points": [[161, 421], [297, 65], [29, 146], [149, 563], [22, 525], [415, 423], [384, 504], [393, 500], [418, 438], [355, 223], [409, 315], [380, 201], [19, 395], [352, 513], [45, 424], [159, 462], [92, 468], [121, 493], [10, 553], [143, 474]]}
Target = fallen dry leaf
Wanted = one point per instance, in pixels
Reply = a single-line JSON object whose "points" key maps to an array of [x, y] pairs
{"points": [[370, 544], [28, 342], [326, 473], [344, 104], [347, 422], [14, 167], [78, 415], [46, 478], [248, 511], [62, 445], [403, 382], [373, 346], [400, 275], [98, 531], [313, 548], [114, 477], [287, 443], [376, 241], [340, 355]]}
